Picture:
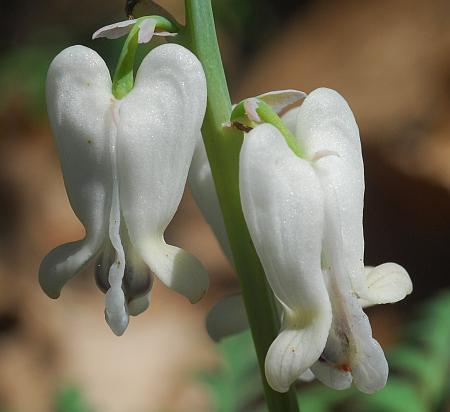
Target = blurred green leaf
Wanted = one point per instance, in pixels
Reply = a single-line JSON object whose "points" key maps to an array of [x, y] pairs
{"points": [[22, 78], [237, 384], [70, 399], [419, 380]]}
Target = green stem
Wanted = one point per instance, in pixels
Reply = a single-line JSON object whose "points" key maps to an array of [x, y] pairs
{"points": [[223, 147], [266, 115], [123, 78]]}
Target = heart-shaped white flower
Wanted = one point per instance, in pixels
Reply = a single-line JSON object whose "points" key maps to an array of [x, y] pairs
{"points": [[125, 164]]}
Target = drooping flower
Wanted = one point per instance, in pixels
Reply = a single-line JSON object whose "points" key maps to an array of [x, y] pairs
{"points": [[305, 218], [125, 164]]}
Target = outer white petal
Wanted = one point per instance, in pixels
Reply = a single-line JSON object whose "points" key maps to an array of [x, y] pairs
{"points": [[331, 376], [160, 120], [325, 123], [78, 100], [203, 190], [283, 208], [227, 317], [290, 119], [386, 283]]}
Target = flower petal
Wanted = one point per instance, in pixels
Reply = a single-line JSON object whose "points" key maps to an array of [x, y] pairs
{"points": [[325, 124], [78, 101], [146, 30], [116, 311], [386, 283], [115, 30], [331, 376], [283, 207], [370, 369], [137, 281], [203, 190], [138, 305], [280, 100], [160, 121], [227, 317]]}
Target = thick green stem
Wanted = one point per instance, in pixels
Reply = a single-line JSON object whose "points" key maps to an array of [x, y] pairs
{"points": [[223, 146]]}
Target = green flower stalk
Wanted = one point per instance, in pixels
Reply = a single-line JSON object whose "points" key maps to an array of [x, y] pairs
{"points": [[223, 146]]}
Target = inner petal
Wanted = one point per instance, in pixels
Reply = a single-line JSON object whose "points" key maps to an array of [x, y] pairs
{"points": [[137, 279], [116, 313]]}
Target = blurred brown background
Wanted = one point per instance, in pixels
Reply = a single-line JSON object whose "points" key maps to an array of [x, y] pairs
{"points": [[390, 60]]}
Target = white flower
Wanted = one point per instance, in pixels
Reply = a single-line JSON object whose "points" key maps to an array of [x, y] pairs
{"points": [[305, 219], [125, 164]]}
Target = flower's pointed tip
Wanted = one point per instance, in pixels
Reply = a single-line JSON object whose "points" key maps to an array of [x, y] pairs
{"points": [[370, 369], [118, 324], [197, 298], [176, 268], [116, 311], [52, 294], [47, 274], [118, 331], [50, 278], [63, 263]]}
